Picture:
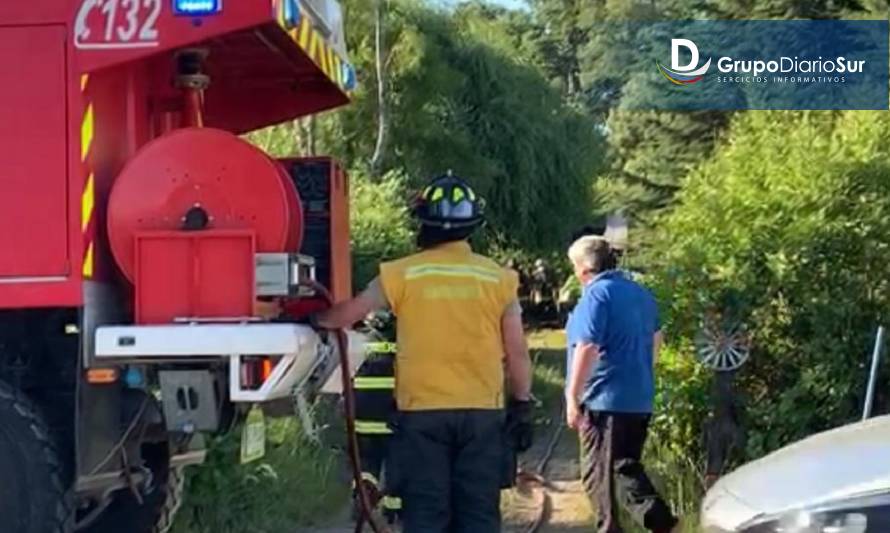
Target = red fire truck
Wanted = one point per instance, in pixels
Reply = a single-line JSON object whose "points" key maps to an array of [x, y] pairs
{"points": [[138, 234]]}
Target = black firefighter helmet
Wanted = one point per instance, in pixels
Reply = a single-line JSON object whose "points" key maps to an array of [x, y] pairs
{"points": [[449, 203]]}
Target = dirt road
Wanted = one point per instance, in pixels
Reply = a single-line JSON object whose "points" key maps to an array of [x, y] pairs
{"points": [[567, 509]]}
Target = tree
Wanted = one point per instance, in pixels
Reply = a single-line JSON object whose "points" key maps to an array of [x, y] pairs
{"points": [[463, 93], [560, 36]]}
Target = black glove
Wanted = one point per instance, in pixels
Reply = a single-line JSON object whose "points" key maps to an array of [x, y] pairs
{"points": [[520, 426]]}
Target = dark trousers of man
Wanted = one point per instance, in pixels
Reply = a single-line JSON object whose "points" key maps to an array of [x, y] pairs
{"points": [[450, 467], [613, 474]]}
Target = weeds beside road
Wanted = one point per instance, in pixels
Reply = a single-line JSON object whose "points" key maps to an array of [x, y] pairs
{"points": [[295, 485]]}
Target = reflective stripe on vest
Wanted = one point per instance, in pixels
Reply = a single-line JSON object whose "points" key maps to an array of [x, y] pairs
{"points": [[370, 478], [367, 427], [454, 270], [392, 503], [381, 347], [374, 383]]}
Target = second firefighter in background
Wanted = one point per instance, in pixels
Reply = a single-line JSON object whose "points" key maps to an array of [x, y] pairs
{"points": [[375, 407], [459, 328]]}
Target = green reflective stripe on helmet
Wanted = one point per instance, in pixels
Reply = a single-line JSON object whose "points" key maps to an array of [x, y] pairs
{"points": [[374, 383], [438, 194], [367, 427], [392, 503], [381, 347], [457, 194]]}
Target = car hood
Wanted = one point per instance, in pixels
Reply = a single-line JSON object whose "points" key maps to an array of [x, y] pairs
{"points": [[834, 465]]}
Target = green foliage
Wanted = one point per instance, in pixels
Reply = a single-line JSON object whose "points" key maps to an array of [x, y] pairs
{"points": [[788, 230], [292, 486], [380, 224], [464, 94], [675, 451], [652, 151]]}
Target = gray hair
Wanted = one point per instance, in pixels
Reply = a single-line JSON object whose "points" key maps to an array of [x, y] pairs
{"points": [[592, 253]]}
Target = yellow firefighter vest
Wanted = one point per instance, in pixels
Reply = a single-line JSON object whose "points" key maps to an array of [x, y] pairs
{"points": [[449, 303]]}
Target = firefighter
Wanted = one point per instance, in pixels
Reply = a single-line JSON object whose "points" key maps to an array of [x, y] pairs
{"points": [[459, 327], [374, 386]]}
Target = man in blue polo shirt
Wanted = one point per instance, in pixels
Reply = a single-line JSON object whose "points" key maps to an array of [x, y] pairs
{"points": [[614, 336]]}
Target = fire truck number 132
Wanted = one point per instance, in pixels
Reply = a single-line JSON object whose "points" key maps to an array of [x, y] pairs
{"points": [[113, 24]]}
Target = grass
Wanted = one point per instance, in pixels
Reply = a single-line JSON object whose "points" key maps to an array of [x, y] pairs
{"points": [[547, 349], [292, 487]]}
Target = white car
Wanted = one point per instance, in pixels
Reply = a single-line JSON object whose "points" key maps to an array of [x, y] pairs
{"points": [[833, 482]]}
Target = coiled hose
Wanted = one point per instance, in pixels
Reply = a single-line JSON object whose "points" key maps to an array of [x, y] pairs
{"points": [[349, 406]]}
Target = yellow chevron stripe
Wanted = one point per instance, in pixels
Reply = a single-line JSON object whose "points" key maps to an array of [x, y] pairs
{"points": [[313, 45], [316, 47], [88, 262], [86, 132], [305, 31], [331, 73], [87, 202]]}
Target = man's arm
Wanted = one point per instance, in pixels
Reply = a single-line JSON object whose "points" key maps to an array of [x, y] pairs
{"points": [[584, 356], [593, 309], [519, 364], [345, 314]]}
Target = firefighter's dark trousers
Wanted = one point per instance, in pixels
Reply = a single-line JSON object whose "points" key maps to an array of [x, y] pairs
{"points": [[611, 449], [374, 408], [450, 466]]}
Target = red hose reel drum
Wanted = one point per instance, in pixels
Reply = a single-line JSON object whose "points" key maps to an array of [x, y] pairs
{"points": [[235, 183]]}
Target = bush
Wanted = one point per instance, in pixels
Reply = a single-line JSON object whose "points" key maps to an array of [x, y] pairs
{"points": [[675, 453], [380, 224], [787, 229], [296, 483]]}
